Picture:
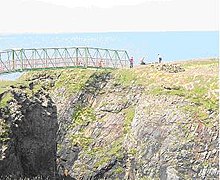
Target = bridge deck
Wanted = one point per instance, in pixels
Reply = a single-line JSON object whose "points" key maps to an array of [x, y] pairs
{"points": [[44, 58]]}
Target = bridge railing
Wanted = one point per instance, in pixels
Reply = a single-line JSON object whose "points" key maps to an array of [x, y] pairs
{"points": [[27, 59]]}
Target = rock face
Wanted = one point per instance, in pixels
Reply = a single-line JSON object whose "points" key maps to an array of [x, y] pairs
{"points": [[135, 136], [31, 148], [169, 144], [124, 124]]}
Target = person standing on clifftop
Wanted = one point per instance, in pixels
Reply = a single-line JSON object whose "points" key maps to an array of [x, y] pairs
{"points": [[159, 58], [131, 62], [142, 61]]}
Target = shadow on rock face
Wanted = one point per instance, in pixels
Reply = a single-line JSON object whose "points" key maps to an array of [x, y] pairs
{"points": [[31, 149], [65, 178]]}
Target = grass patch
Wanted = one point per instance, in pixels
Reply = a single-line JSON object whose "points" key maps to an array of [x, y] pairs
{"points": [[129, 116], [125, 77], [199, 114], [178, 91], [102, 161], [65, 81], [5, 99], [132, 151], [4, 85], [194, 63], [119, 170], [81, 118], [72, 81]]}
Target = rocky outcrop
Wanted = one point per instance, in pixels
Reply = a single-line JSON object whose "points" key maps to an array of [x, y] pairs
{"points": [[171, 68], [30, 149]]}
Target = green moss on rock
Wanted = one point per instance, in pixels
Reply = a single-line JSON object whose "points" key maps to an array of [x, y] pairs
{"points": [[83, 116], [79, 139], [129, 116]]}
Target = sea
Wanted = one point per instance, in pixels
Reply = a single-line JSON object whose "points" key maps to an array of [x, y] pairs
{"points": [[172, 46]]}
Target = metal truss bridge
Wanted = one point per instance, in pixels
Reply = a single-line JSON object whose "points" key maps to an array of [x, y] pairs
{"points": [[15, 60]]}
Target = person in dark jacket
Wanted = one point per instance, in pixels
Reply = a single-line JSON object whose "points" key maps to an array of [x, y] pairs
{"points": [[159, 58], [131, 62]]}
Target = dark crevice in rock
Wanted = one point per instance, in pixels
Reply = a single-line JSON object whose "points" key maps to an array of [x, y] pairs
{"points": [[101, 173], [31, 150]]}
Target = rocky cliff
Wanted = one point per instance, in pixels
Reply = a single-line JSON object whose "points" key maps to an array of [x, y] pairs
{"points": [[150, 122]]}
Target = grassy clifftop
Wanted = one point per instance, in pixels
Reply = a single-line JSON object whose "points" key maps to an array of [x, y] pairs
{"points": [[199, 81]]}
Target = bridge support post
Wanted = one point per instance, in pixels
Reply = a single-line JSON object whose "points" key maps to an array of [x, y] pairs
{"points": [[77, 56], [21, 58], [128, 58], [13, 60], [86, 57]]}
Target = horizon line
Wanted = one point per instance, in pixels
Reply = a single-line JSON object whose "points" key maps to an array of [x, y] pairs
{"points": [[103, 32]]}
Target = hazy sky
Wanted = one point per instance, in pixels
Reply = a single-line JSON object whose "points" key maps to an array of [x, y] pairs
{"points": [[97, 3], [55, 16]]}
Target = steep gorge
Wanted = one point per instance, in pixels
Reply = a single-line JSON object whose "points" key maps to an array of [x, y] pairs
{"points": [[142, 123]]}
